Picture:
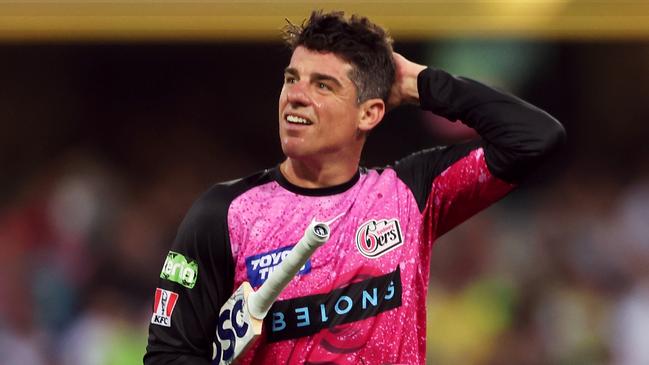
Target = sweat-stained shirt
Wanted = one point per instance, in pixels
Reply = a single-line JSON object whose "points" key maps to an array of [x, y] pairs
{"points": [[361, 298]]}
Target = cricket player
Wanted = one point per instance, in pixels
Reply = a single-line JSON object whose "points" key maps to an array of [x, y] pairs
{"points": [[360, 299]]}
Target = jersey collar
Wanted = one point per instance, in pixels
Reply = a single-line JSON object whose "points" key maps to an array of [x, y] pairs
{"points": [[329, 190]]}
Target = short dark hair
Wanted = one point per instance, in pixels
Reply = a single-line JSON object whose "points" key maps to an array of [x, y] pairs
{"points": [[365, 45]]}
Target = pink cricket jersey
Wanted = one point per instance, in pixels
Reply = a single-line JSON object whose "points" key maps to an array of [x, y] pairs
{"points": [[361, 298]]}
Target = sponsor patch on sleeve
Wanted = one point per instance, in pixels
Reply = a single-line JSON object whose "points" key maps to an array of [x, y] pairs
{"points": [[261, 265], [163, 306], [179, 270]]}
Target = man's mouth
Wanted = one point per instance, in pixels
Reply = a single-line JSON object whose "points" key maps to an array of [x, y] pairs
{"points": [[294, 119]]}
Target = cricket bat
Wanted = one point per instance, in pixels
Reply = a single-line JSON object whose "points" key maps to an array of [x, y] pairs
{"points": [[241, 317]]}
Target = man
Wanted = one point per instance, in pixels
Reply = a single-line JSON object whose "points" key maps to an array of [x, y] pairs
{"points": [[361, 297]]}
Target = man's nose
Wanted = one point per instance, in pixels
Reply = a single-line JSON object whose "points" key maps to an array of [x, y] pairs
{"points": [[297, 96]]}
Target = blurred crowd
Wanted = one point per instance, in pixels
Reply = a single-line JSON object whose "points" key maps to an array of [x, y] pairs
{"points": [[83, 243]]}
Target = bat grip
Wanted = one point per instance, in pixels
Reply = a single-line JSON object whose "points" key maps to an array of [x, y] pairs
{"points": [[259, 302]]}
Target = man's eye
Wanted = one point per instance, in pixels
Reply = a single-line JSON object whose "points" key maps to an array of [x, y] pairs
{"points": [[289, 80], [323, 86]]}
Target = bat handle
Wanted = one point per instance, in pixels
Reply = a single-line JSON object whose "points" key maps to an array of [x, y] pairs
{"points": [[259, 302]]}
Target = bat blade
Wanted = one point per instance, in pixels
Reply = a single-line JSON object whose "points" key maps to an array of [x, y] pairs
{"points": [[241, 317]]}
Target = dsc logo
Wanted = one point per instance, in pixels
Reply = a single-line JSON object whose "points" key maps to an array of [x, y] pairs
{"points": [[235, 328], [376, 237], [231, 328]]}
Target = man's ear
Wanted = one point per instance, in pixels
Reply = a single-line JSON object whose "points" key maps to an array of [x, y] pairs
{"points": [[371, 113]]}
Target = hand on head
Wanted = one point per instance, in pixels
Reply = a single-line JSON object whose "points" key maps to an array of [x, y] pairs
{"points": [[404, 89]]}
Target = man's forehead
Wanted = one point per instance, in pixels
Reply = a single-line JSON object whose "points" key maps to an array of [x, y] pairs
{"points": [[307, 61]]}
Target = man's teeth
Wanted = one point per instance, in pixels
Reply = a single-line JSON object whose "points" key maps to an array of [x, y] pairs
{"points": [[298, 120]]}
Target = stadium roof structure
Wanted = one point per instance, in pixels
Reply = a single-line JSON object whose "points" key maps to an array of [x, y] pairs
{"points": [[198, 20]]}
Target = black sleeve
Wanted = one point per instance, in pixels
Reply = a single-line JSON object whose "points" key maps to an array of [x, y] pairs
{"points": [[517, 136], [202, 238]]}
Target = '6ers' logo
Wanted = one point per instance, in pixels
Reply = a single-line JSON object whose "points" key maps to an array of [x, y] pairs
{"points": [[376, 237]]}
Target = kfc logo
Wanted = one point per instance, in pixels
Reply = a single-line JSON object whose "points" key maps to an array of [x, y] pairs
{"points": [[163, 306]]}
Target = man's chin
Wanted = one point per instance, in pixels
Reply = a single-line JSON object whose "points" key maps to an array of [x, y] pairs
{"points": [[296, 153], [295, 149]]}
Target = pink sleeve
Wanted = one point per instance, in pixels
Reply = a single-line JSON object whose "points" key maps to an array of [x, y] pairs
{"points": [[462, 190]]}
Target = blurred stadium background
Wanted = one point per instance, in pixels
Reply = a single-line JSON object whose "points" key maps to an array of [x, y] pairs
{"points": [[116, 115]]}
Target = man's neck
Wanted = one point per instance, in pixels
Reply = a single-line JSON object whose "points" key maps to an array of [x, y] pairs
{"points": [[318, 174]]}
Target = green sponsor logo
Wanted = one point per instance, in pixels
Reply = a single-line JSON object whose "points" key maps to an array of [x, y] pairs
{"points": [[178, 270]]}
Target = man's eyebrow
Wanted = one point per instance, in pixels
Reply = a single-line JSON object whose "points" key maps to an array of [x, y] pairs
{"points": [[321, 77], [315, 76], [291, 71]]}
